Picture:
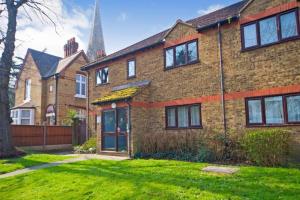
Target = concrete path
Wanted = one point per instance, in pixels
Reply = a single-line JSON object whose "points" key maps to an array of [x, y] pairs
{"points": [[220, 169], [79, 157]]}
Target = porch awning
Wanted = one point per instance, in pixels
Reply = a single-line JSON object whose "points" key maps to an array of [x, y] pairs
{"points": [[117, 96]]}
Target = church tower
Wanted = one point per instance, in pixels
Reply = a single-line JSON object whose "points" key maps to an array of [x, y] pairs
{"points": [[96, 48]]}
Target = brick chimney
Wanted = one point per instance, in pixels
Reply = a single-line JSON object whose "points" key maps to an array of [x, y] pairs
{"points": [[100, 54], [71, 47]]}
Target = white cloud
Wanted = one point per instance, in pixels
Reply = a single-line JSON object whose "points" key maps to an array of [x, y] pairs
{"points": [[122, 17], [210, 9], [32, 32]]}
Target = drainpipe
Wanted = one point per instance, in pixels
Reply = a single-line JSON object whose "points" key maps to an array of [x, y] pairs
{"points": [[222, 87], [129, 129], [87, 108], [56, 97]]}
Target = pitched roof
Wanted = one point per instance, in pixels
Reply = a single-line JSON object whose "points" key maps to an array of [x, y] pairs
{"points": [[49, 65], [63, 63], [202, 21], [45, 62]]}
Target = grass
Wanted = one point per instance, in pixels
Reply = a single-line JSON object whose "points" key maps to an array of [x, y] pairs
{"points": [[31, 159], [150, 179]]}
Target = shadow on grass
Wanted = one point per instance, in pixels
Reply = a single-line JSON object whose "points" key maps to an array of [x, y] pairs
{"points": [[187, 179]]}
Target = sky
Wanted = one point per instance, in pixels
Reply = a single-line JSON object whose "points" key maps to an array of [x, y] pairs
{"points": [[124, 22]]}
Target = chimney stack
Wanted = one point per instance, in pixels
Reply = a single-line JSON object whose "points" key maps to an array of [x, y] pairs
{"points": [[71, 47], [100, 54]]}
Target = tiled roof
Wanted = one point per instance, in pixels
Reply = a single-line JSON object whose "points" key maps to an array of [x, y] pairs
{"points": [[45, 62], [63, 63], [202, 21], [117, 95], [50, 65]]}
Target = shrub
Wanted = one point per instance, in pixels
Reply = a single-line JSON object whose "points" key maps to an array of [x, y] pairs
{"points": [[88, 147], [267, 147]]}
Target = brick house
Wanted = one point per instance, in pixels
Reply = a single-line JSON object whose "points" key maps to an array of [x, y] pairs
{"points": [[49, 85], [231, 70]]}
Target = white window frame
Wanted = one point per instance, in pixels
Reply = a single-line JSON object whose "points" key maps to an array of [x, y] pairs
{"points": [[16, 115], [82, 81]]}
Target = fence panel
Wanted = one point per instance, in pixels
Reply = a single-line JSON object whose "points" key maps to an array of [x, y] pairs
{"points": [[24, 135]]}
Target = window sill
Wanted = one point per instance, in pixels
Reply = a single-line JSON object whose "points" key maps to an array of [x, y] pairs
{"points": [[273, 125], [103, 84], [80, 97], [271, 44], [178, 66], [188, 128], [131, 77]]}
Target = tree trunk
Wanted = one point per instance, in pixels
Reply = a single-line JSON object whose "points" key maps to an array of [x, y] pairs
{"points": [[6, 147]]}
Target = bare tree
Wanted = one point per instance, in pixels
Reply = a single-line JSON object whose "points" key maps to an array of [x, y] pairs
{"points": [[9, 9]]}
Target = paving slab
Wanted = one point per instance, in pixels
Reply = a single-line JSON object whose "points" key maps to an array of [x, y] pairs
{"points": [[78, 158], [221, 169]]}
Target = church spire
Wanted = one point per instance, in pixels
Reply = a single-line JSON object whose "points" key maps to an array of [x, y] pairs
{"points": [[96, 43]]}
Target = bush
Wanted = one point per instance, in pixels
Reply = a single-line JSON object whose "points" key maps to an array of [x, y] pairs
{"points": [[267, 147], [188, 146], [88, 147]]}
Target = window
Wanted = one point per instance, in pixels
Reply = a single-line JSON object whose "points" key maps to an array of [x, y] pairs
{"points": [[80, 86], [27, 89], [268, 31], [102, 76], [131, 69], [275, 110], [271, 30], [250, 36], [14, 116], [181, 55], [25, 117], [51, 88], [188, 116]]}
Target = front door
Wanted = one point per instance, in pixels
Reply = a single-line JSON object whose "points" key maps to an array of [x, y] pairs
{"points": [[114, 130]]}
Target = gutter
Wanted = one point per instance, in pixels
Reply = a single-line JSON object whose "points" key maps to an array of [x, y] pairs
{"points": [[221, 22]]}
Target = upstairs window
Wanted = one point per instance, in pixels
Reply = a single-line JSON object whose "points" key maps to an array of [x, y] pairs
{"points": [[80, 86], [182, 54], [275, 110], [131, 69], [27, 89], [102, 76], [271, 30], [187, 116]]}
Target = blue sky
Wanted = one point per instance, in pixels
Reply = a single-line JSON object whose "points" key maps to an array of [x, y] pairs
{"points": [[128, 21], [124, 22]]}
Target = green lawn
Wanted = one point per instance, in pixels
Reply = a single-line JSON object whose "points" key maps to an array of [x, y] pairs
{"points": [[32, 159], [150, 179]]}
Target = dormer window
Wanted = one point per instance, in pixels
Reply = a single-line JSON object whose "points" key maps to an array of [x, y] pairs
{"points": [[182, 54], [271, 30], [27, 90]]}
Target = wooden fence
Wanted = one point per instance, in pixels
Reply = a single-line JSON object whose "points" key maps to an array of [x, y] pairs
{"points": [[24, 135]]}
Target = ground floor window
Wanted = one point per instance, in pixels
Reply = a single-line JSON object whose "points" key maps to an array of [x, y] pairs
{"points": [[22, 116], [186, 116], [273, 110]]}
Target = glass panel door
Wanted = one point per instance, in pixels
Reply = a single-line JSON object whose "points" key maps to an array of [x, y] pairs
{"points": [[114, 130], [122, 129], [109, 130]]}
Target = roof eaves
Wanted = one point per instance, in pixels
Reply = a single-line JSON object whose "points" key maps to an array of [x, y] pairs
{"points": [[90, 65], [221, 22]]}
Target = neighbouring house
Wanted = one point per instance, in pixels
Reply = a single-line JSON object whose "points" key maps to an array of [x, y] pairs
{"points": [[48, 86], [232, 70]]}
